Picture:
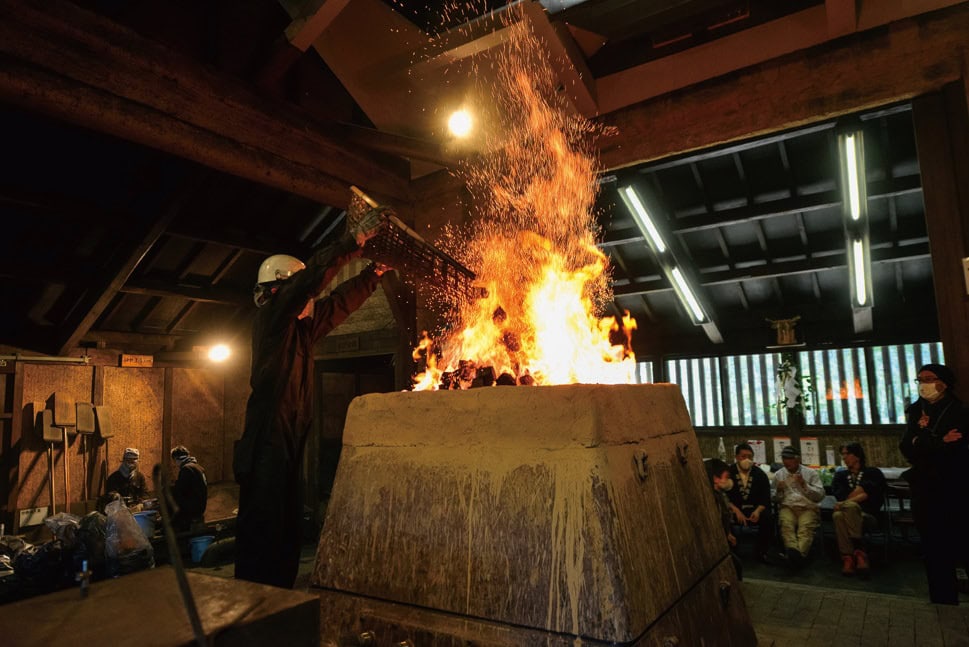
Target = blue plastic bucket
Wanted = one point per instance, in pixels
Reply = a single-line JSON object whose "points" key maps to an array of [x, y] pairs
{"points": [[199, 546], [146, 520]]}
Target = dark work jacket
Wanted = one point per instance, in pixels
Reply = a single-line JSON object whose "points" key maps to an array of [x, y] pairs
{"points": [[133, 488], [872, 481], [279, 412], [938, 468], [759, 489], [191, 494]]}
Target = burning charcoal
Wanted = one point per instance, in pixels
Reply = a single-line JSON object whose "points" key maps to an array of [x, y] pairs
{"points": [[526, 380], [485, 377], [449, 381], [499, 315], [467, 371], [506, 379], [511, 341]]}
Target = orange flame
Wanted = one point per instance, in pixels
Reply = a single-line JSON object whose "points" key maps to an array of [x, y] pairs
{"points": [[533, 246]]}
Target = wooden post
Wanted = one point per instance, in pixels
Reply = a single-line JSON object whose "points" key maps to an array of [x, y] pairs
{"points": [[942, 136]]}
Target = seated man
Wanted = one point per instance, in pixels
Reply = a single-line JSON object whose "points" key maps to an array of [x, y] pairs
{"points": [[860, 491], [190, 491], [798, 493], [750, 498], [127, 480]]}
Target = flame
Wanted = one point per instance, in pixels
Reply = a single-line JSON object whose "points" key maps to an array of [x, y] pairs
{"points": [[532, 247]]}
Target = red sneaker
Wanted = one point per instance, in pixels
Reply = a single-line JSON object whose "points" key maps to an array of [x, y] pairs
{"points": [[847, 565], [861, 561]]}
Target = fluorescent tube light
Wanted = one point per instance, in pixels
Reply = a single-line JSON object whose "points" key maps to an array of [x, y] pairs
{"points": [[860, 270], [851, 165], [642, 218], [687, 297]]}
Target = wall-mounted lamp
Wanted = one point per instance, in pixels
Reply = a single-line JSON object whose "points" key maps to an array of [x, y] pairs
{"points": [[215, 353], [851, 148], [460, 123]]}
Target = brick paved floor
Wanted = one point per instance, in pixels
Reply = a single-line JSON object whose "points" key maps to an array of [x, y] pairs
{"points": [[796, 615]]}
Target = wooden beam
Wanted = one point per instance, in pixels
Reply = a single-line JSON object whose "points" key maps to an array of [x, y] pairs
{"points": [[61, 60], [842, 17], [867, 70], [143, 237], [201, 293], [756, 45], [775, 269], [310, 19], [118, 340], [565, 58]]}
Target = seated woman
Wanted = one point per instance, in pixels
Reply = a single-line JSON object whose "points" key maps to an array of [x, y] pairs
{"points": [[860, 491], [750, 499]]}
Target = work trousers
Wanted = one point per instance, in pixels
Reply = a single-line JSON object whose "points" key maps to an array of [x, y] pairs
{"points": [[269, 525], [798, 526], [941, 530], [849, 524]]}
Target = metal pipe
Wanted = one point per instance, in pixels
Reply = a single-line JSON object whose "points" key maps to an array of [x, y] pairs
{"points": [[17, 357]]}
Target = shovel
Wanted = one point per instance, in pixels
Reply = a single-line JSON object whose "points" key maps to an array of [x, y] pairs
{"points": [[102, 420], [45, 424], [85, 427], [65, 417]]}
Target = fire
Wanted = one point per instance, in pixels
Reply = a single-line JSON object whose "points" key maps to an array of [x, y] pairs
{"points": [[532, 247]]}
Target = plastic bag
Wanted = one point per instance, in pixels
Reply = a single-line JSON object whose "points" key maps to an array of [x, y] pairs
{"points": [[64, 527], [91, 540], [126, 548]]}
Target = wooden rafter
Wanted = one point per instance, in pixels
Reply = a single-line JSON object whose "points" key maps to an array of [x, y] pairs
{"points": [[72, 64]]}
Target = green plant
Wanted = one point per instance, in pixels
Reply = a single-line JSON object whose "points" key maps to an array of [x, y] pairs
{"points": [[795, 390]]}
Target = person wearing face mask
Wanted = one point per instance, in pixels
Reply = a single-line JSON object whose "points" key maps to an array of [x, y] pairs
{"points": [[127, 480], [860, 491], [750, 498], [798, 491], [936, 444], [719, 475]]}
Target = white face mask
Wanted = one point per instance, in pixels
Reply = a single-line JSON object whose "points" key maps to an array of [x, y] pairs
{"points": [[746, 464], [726, 485], [929, 391]]}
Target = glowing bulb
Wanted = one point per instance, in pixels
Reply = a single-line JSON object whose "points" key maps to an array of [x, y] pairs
{"points": [[460, 123], [219, 353]]}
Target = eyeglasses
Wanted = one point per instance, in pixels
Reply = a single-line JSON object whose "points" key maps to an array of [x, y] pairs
{"points": [[925, 380]]}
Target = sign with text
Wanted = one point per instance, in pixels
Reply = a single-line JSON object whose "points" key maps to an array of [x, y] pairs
{"points": [[137, 361], [810, 452], [760, 451], [779, 443]]}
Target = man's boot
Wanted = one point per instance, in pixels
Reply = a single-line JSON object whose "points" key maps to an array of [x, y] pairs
{"points": [[847, 565]]}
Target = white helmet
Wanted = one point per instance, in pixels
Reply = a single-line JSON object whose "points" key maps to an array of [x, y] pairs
{"points": [[278, 267]]}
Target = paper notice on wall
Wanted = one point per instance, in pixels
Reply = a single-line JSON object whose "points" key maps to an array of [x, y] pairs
{"points": [[779, 443], [810, 452], [760, 451]]}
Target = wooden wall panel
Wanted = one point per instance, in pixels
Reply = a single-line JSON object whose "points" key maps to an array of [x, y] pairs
{"points": [[881, 447], [40, 383], [135, 396], [236, 396], [197, 413]]}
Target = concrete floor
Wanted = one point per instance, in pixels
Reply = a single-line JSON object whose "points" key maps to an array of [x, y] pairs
{"points": [[817, 606]]}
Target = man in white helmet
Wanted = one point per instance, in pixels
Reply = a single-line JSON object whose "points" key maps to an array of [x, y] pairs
{"points": [[279, 413]]}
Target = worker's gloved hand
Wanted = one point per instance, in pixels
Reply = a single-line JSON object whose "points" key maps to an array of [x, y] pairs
{"points": [[380, 268], [370, 224]]}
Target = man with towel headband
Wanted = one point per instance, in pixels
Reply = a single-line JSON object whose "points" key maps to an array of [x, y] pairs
{"points": [[127, 480]]}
